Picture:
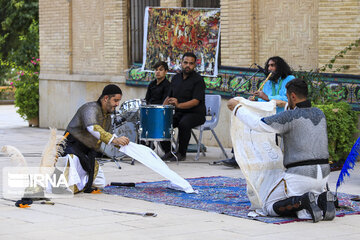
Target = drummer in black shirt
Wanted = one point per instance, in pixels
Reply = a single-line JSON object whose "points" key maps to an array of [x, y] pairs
{"points": [[159, 88], [187, 94]]}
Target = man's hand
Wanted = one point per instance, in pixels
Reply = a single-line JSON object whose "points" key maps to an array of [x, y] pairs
{"points": [[280, 103], [261, 95], [252, 98], [232, 103], [121, 141], [166, 101], [173, 101]]}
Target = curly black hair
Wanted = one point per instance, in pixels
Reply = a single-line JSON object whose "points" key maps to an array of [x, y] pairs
{"points": [[282, 68]]}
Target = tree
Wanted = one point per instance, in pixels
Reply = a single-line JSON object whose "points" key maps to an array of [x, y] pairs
{"points": [[19, 31]]}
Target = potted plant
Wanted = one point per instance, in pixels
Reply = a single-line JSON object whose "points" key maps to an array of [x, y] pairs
{"points": [[27, 92]]}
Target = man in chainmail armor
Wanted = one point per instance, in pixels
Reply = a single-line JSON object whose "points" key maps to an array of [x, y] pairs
{"points": [[302, 188]]}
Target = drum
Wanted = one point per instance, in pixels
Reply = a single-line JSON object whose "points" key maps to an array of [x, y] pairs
{"points": [[156, 122], [130, 109], [127, 129]]}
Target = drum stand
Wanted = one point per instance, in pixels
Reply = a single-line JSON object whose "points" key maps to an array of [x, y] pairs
{"points": [[113, 158], [172, 140]]}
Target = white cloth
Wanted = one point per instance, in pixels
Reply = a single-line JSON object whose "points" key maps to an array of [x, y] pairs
{"points": [[296, 185], [257, 154], [150, 159], [77, 175]]}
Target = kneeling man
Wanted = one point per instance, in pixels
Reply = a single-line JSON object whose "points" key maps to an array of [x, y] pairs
{"points": [[302, 188], [89, 127]]}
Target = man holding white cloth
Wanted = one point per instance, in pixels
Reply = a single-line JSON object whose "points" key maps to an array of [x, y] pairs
{"points": [[302, 187]]}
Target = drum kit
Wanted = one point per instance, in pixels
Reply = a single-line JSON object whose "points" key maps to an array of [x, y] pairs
{"points": [[140, 122]]}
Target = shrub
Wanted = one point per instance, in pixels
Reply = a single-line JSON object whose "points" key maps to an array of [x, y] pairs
{"points": [[341, 127], [27, 90]]}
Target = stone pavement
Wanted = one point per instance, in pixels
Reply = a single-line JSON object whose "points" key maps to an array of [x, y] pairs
{"points": [[81, 217]]}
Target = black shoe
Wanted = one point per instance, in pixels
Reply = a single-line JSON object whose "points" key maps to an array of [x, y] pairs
{"points": [[231, 162], [167, 156], [309, 203], [326, 204], [179, 156], [291, 205]]}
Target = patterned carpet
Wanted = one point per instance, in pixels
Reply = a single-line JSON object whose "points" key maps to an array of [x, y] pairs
{"points": [[222, 195]]}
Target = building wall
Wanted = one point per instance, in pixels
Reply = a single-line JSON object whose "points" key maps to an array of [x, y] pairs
{"points": [[237, 40], [171, 3], [55, 36], [339, 26], [84, 46], [290, 32]]}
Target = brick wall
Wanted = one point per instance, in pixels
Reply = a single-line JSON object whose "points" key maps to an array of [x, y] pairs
{"points": [[171, 3], [99, 37], [254, 30], [288, 28], [54, 31], [115, 37], [83, 46], [339, 25], [237, 42], [83, 37], [307, 33], [88, 37]]}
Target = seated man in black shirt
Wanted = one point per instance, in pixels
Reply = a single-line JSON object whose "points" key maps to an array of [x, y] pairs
{"points": [[187, 94], [159, 88]]}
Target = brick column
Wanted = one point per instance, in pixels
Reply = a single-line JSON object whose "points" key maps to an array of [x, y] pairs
{"points": [[237, 37], [55, 36], [115, 36]]}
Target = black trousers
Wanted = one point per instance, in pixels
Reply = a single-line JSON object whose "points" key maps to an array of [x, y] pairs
{"points": [[184, 122], [86, 156]]}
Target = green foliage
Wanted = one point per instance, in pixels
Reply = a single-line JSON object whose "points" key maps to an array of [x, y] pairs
{"points": [[26, 82], [19, 33], [318, 92], [341, 54], [7, 73], [29, 46], [341, 127]]}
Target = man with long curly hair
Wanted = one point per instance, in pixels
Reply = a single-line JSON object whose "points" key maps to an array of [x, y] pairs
{"points": [[275, 88]]}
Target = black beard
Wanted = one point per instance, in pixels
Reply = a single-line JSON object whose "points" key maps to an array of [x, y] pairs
{"points": [[187, 72], [275, 76]]}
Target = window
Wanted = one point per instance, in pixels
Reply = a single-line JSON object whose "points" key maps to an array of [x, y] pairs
{"points": [[202, 3], [137, 11]]}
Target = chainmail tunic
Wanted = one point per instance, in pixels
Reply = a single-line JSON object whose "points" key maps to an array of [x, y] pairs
{"points": [[305, 138], [89, 114]]}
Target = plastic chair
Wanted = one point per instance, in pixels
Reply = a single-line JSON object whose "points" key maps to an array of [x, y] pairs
{"points": [[213, 104]]}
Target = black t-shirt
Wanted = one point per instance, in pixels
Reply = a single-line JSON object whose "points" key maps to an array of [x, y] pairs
{"points": [[193, 87], [156, 94]]}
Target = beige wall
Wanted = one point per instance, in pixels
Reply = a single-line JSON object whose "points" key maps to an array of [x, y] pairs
{"points": [[306, 33], [55, 39], [237, 40], [339, 25], [290, 33], [170, 3], [83, 46]]}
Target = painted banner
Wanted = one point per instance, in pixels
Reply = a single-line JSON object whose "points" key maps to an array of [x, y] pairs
{"points": [[171, 32]]}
